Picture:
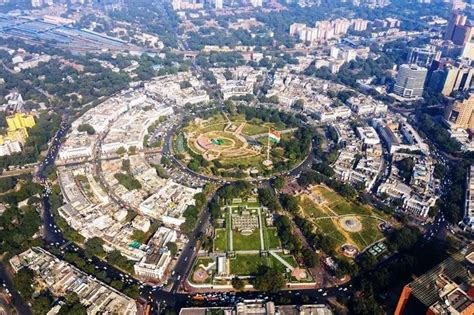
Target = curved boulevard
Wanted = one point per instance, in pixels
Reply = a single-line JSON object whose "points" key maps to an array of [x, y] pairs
{"points": [[176, 297]]}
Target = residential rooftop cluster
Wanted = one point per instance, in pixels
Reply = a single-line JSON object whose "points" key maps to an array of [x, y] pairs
{"points": [[178, 89], [318, 97], [115, 190], [260, 307], [61, 278], [417, 190], [360, 159], [237, 81]]}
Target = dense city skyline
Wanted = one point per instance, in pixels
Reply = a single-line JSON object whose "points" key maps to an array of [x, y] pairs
{"points": [[236, 157]]}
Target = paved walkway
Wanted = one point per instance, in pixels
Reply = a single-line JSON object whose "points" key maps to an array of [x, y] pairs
{"points": [[260, 229], [265, 134], [284, 262], [231, 239], [351, 215]]}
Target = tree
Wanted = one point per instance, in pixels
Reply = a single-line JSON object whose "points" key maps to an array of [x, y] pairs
{"points": [[404, 238], [310, 257], [279, 182], [86, 128], [94, 247], [173, 248], [365, 306], [128, 181], [268, 199], [139, 236], [290, 203], [238, 283], [298, 105], [121, 151], [405, 167], [72, 305], [22, 283], [132, 149], [269, 280]]}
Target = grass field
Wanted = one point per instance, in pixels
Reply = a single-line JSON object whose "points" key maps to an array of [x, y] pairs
{"points": [[369, 234], [289, 259], [220, 241], [331, 204], [246, 264], [251, 129], [244, 242], [341, 206], [311, 209], [272, 241], [328, 228], [276, 264], [214, 127]]}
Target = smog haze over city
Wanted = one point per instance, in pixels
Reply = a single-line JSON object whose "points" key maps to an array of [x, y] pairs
{"points": [[236, 157]]}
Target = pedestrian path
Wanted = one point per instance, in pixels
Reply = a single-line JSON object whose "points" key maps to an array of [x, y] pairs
{"points": [[262, 243], [284, 262]]}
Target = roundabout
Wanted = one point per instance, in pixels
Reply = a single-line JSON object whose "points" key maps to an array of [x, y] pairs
{"points": [[228, 147]]}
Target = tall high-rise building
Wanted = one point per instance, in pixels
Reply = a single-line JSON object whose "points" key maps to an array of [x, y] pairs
{"points": [[36, 3], [446, 76], [468, 50], [218, 4], [462, 34], [459, 31], [256, 3], [423, 57], [410, 81], [461, 114], [359, 25]]}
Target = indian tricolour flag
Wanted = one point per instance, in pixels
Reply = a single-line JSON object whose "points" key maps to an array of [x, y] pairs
{"points": [[274, 136]]}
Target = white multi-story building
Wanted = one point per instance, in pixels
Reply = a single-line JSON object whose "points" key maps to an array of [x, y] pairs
{"points": [[256, 3], [158, 257], [468, 220], [10, 147]]}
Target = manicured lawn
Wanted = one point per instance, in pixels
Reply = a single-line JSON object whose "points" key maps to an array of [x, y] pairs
{"points": [[370, 232], [246, 264], [273, 241], [341, 206], [205, 261], [289, 259], [329, 229], [311, 209], [251, 129], [220, 241], [345, 207], [216, 119], [276, 264], [329, 196], [243, 242], [213, 127]]}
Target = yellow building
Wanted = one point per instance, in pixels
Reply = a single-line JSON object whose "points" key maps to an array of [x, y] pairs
{"points": [[17, 125], [461, 114], [20, 120]]}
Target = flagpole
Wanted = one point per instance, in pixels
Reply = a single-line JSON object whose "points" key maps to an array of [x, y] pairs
{"points": [[268, 145]]}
